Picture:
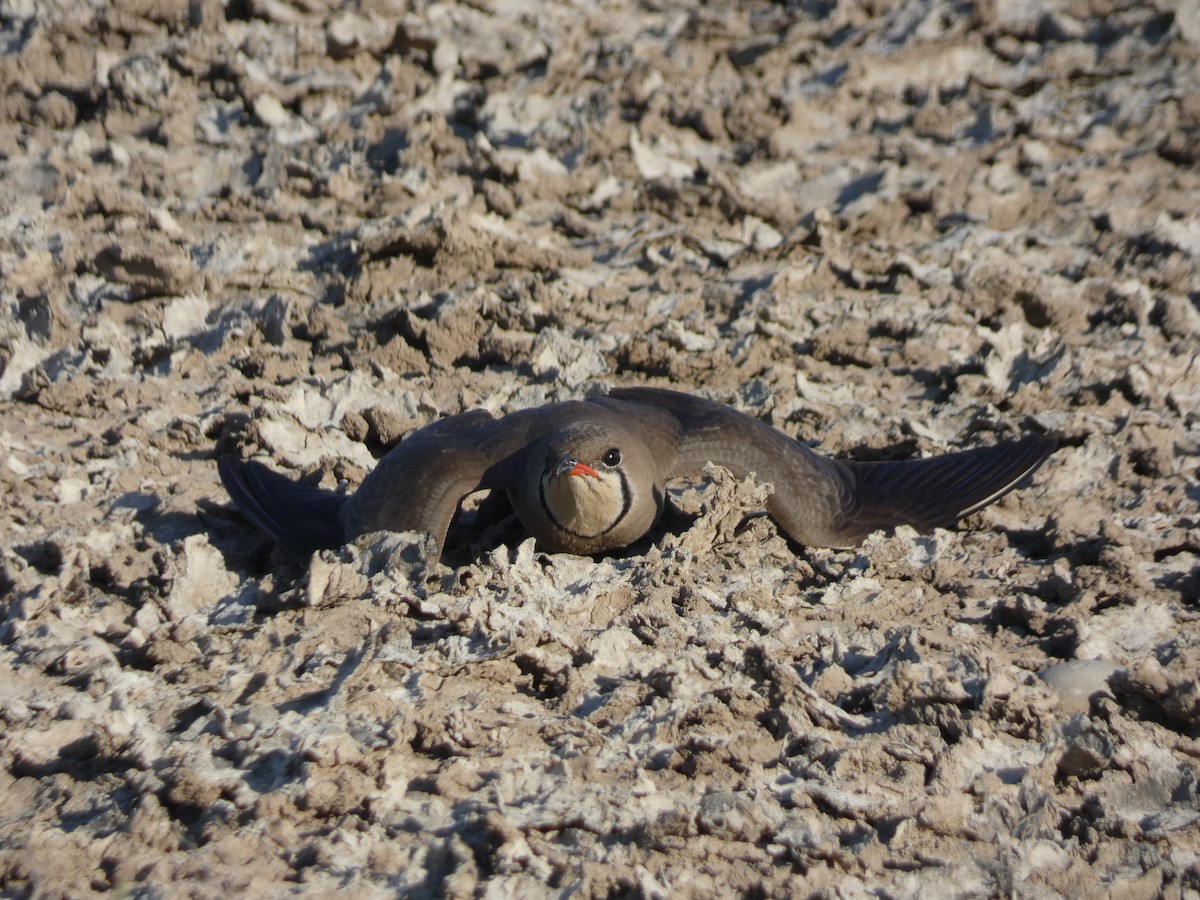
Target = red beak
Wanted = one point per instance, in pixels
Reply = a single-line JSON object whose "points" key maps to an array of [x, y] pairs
{"points": [[568, 466]]}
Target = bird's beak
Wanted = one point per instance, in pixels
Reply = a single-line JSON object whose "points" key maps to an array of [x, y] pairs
{"points": [[566, 465]]}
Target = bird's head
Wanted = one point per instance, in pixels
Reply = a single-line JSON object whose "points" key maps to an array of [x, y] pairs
{"points": [[584, 488]]}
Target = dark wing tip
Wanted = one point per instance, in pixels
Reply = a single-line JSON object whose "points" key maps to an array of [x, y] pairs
{"points": [[1014, 464], [940, 490], [302, 519]]}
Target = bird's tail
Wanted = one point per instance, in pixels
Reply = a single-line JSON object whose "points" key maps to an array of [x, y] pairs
{"points": [[302, 519], [940, 490]]}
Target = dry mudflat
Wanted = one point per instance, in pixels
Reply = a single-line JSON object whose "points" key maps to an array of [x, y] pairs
{"points": [[301, 230]]}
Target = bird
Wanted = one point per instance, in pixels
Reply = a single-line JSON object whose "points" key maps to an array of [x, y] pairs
{"points": [[589, 477]]}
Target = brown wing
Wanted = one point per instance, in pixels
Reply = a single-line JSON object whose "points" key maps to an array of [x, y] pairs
{"points": [[417, 486], [811, 494], [833, 503]]}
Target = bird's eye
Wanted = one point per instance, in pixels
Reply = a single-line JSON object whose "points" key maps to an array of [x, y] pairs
{"points": [[611, 457]]}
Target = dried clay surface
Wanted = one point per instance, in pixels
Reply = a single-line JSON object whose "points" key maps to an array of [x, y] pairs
{"points": [[300, 230]]}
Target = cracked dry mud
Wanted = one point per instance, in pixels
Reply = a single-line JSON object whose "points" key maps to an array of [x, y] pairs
{"points": [[302, 230]]}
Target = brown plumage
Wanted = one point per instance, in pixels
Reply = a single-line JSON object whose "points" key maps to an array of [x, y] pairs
{"points": [[589, 476]]}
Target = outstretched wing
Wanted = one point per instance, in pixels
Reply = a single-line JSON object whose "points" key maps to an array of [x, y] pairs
{"points": [[811, 492], [418, 485], [834, 503]]}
